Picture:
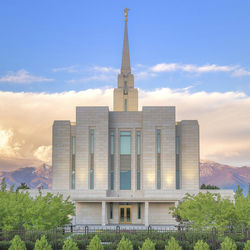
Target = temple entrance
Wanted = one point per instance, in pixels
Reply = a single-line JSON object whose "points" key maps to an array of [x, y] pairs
{"points": [[125, 214]]}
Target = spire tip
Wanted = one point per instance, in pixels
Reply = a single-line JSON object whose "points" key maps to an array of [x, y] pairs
{"points": [[126, 14]]}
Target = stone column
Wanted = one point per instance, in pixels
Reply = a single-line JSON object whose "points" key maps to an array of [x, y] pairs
{"points": [[103, 213], [146, 214]]}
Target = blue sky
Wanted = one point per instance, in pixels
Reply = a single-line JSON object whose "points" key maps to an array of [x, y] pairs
{"points": [[58, 54], [55, 46]]}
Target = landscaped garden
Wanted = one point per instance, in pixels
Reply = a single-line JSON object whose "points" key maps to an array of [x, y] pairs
{"points": [[40, 223], [124, 240]]}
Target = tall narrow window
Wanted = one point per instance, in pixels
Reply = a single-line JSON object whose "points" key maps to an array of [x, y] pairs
{"points": [[112, 160], [125, 105], [139, 210], [138, 142], [111, 210], [125, 90], [158, 137], [177, 162], [125, 160], [91, 159], [73, 157]]}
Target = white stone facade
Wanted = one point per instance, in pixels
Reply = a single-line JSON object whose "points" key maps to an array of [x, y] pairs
{"points": [[159, 166]]}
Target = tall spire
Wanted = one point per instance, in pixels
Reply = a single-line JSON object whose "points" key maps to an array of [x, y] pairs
{"points": [[125, 96], [125, 69]]}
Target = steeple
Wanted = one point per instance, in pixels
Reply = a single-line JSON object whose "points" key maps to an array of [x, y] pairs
{"points": [[125, 69], [125, 96]]}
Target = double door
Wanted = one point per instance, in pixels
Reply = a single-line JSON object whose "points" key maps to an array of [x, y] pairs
{"points": [[125, 214]]}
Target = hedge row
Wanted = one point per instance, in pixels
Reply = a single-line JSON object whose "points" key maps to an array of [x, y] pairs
{"points": [[131, 244]]}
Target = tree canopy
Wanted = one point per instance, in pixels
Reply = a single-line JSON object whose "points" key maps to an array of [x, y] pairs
{"points": [[18, 210], [207, 210], [204, 186]]}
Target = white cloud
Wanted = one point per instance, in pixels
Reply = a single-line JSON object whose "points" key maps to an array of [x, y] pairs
{"points": [[241, 72], [101, 78], [109, 74], [26, 120], [104, 69], [22, 76], [97, 73], [69, 69], [170, 67], [43, 153], [8, 146]]}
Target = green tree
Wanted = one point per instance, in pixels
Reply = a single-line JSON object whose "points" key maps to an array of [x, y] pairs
{"points": [[95, 244], [3, 185], [199, 209], [19, 210], [204, 186], [69, 245], [148, 245], [173, 245], [51, 211], [247, 245], [42, 244], [125, 244], [238, 192], [228, 244], [23, 185], [17, 244], [242, 208], [200, 245], [206, 210]]}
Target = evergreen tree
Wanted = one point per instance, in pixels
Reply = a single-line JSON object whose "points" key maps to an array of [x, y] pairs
{"points": [[125, 244], [173, 245], [148, 245], [42, 244], [17, 244], [200, 245], [203, 186], [23, 185], [95, 244], [238, 192], [70, 245], [3, 185], [228, 244]]}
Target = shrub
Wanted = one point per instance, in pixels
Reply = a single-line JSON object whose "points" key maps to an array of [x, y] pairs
{"points": [[95, 244], [125, 244], [228, 244], [17, 244], [247, 245], [42, 244], [69, 245], [148, 245], [200, 245], [172, 245]]}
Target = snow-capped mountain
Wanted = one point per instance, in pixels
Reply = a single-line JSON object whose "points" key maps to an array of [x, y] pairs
{"points": [[223, 176]]}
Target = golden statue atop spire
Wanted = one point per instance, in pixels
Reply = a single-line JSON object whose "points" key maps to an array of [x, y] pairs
{"points": [[126, 14]]}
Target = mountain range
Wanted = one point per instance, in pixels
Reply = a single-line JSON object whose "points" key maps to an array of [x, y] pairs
{"points": [[223, 176]]}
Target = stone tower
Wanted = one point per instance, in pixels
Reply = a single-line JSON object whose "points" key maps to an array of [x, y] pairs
{"points": [[125, 96]]}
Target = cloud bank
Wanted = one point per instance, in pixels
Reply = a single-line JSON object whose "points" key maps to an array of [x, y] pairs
{"points": [[26, 121]]}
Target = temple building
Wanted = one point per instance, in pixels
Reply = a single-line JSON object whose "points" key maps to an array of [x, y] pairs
{"points": [[125, 166]]}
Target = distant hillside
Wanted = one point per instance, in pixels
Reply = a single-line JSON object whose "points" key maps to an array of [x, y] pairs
{"points": [[33, 177], [223, 176]]}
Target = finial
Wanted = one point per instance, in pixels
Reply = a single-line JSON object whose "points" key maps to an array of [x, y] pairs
{"points": [[126, 14]]}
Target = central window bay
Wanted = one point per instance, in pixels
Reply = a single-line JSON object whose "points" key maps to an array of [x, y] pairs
{"points": [[125, 160]]}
